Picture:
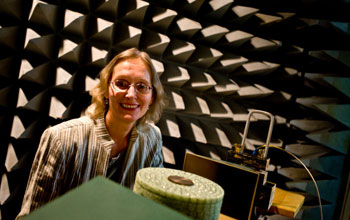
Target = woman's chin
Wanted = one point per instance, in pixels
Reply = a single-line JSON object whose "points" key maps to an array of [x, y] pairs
{"points": [[130, 118]]}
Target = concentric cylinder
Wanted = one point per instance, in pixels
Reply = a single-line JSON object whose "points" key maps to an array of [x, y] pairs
{"points": [[193, 195]]}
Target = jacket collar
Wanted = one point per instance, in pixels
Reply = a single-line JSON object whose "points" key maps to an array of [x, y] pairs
{"points": [[104, 137]]}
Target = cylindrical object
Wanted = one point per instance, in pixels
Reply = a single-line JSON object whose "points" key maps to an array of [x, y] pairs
{"points": [[193, 195]]}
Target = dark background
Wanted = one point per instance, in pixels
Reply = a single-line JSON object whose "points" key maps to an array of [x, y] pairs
{"points": [[217, 60]]}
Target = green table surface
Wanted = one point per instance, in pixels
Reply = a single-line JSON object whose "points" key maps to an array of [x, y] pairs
{"points": [[101, 199]]}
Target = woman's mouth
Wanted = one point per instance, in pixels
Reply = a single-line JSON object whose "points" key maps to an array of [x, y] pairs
{"points": [[129, 106]]}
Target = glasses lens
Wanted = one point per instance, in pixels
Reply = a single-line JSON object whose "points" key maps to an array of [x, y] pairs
{"points": [[122, 84], [142, 88]]}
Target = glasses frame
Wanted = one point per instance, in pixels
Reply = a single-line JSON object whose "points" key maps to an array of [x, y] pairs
{"points": [[117, 89]]}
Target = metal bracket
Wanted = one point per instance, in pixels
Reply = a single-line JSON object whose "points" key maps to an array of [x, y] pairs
{"points": [[272, 119], [260, 161]]}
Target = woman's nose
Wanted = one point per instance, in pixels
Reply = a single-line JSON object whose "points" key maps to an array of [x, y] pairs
{"points": [[131, 92]]}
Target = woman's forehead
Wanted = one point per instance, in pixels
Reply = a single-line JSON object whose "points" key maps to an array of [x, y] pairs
{"points": [[132, 63], [133, 67]]}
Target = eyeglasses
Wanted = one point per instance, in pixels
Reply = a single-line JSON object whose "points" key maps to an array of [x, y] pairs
{"points": [[121, 85]]}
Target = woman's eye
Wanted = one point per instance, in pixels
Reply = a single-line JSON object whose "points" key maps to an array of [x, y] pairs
{"points": [[141, 86], [122, 84]]}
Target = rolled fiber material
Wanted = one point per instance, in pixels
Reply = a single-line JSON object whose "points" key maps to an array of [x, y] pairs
{"points": [[190, 194]]}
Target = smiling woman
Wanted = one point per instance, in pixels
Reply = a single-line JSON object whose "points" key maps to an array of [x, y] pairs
{"points": [[116, 138], [99, 103], [129, 104]]}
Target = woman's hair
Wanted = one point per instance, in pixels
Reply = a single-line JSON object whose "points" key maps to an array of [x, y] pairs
{"points": [[98, 107]]}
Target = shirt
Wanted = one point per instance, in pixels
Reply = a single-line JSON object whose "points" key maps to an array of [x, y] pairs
{"points": [[75, 151], [114, 170]]}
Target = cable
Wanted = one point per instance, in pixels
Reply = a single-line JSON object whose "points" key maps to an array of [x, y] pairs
{"points": [[308, 171]]}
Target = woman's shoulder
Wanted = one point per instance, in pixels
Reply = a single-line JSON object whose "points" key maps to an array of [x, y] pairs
{"points": [[83, 121], [149, 128]]}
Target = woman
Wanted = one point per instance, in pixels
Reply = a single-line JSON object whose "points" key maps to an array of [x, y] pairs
{"points": [[116, 138]]}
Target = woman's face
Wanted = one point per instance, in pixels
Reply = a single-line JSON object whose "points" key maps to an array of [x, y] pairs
{"points": [[129, 92]]}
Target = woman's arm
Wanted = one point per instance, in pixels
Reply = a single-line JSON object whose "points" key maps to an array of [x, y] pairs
{"points": [[157, 160], [44, 179]]}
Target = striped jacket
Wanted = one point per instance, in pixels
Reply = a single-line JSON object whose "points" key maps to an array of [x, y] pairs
{"points": [[75, 151]]}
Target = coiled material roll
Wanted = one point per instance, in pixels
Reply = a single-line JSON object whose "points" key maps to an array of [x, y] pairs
{"points": [[193, 195]]}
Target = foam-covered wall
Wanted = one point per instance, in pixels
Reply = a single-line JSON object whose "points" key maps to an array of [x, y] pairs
{"points": [[217, 59]]}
